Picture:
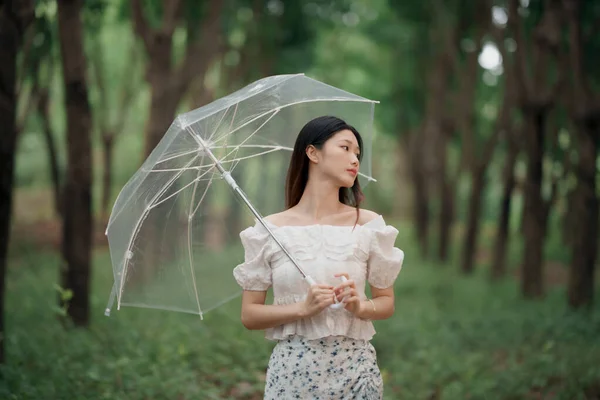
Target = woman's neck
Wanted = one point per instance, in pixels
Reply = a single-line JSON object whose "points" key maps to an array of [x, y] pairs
{"points": [[320, 199]]}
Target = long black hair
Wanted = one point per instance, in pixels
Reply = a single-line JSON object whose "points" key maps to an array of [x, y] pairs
{"points": [[316, 132]]}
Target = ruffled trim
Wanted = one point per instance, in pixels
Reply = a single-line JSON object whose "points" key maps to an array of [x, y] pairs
{"points": [[385, 261], [327, 323], [255, 272], [326, 240]]}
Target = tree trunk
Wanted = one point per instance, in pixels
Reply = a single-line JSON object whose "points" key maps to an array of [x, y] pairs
{"points": [[402, 204], [536, 94], [447, 193], [429, 146], [77, 225], [422, 213], [585, 111], [470, 246], [108, 149], [585, 210], [446, 219], [163, 103], [169, 82], [534, 220], [14, 18], [500, 247], [44, 111], [420, 193]]}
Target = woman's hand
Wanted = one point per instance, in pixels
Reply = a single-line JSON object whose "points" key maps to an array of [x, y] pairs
{"points": [[318, 298], [348, 290]]}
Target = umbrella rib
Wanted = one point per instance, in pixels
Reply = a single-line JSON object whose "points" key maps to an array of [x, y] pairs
{"points": [[183, 169], [254, 155], [193, 133], [190, 254], [369, 178], [137, 228], [232, 118], [237, 147], [221, 120], [221, 147], [198, 178], [202, 198], [159, 307], [249, 146], [190, 130], [176, 156], [230, 125]]}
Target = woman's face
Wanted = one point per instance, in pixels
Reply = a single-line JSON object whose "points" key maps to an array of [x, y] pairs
{"points": [[338, 158]]}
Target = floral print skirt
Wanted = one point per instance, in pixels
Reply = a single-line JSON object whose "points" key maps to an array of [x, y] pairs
{"points": [[334, 367]]}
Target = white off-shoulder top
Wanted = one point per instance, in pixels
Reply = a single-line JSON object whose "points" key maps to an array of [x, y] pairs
{"points": [[366, 252]]}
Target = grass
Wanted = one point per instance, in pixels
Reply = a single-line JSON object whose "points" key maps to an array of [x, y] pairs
{"points": [[452, 337]]}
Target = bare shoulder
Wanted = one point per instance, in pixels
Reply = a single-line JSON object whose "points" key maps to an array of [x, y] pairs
{"points": [[279, 219], [366, 216]]}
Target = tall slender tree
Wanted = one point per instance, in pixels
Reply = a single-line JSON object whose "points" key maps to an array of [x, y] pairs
{"points": [[479, 159], [585, 113], [78, 221], [169, 81], [536, 96], [15, 17]]}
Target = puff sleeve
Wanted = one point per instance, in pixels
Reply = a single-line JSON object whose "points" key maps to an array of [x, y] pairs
{"points": [[255, 272], [385, 260]]}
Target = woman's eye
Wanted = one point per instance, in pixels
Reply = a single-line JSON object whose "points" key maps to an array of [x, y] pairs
{"points": [[345, 148]]}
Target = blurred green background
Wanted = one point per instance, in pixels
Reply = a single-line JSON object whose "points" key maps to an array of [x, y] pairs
{"points": [[487, 144]]}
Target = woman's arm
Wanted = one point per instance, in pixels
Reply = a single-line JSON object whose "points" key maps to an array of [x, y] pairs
{"points": [[256, 315], [382, 306]]}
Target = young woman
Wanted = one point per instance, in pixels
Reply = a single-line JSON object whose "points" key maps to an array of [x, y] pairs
{"points": [[321, 352]]}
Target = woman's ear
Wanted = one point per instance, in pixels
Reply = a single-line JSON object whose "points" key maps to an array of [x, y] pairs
{"points": [[312, 154]]}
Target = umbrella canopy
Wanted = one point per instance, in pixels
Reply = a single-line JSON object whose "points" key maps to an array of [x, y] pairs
{"points": [[173, 231]]}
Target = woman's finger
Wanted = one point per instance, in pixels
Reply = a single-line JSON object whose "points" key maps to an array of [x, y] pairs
{"points": [[342, 286], [353, 299], [344, 274], [316, 289], [328, 292], [351, 292], [325, 296], [326, 301], [321, 286]]}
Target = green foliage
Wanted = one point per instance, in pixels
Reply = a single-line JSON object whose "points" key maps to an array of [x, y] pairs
{"points": [[135, 354], [453, 337]]}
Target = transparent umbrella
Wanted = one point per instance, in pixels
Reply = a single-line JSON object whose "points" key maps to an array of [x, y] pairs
{"points": [[174, 229]]}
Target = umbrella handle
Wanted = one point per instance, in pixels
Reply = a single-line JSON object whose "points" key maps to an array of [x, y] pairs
{"points": [[338, 304]]}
